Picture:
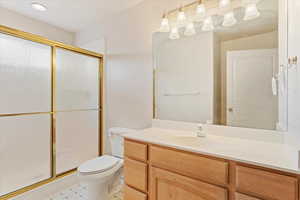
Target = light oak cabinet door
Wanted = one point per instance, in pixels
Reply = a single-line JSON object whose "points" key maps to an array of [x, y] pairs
{"points": [[166, 185], [132, 194], [135, 174]]}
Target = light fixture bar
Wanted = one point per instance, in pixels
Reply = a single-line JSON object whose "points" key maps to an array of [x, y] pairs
{"points": [[183, 7]]}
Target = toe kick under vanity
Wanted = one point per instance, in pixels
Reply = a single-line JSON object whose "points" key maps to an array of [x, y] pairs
{"points": [[157, 168]]}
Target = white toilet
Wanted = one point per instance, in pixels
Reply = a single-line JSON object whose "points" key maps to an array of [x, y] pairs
{"points": [[101, 173]]}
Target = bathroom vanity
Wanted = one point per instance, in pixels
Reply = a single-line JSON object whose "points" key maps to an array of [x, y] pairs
{"points": [[163, 164]]}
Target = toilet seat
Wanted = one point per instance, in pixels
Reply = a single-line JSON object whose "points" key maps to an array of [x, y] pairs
{"points": [[98, 165]]}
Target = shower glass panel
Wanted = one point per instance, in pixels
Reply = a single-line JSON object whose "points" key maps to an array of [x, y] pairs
{"points": [[77, 138], [25, 80], [77, 81], [50, 117], [77, 105], [24, 151]]}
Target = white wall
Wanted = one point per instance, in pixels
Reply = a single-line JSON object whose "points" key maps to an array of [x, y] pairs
{"points": [[23, 23], [98, 45], [128, 61]]}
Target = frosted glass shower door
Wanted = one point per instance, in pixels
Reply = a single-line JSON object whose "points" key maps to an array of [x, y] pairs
{"points": [[25, 133], [77, 138], [77, 81], [77, 117], [24, 151], [25, 76]]}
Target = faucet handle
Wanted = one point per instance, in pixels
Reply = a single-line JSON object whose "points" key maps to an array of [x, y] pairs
{"points": [[200, 132], [200, 127]]}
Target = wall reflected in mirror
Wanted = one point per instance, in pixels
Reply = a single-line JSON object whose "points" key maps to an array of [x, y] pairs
{"points": [[229, 76]]}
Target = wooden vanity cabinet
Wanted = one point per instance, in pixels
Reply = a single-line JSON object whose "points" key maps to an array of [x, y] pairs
{"points": [[154, 172]]}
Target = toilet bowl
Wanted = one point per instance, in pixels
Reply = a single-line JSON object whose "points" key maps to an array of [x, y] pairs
{"points": [[98, 174], [101, 173]]}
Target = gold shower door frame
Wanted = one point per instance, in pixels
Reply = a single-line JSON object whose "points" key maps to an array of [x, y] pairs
{"points": [[54, 45]]}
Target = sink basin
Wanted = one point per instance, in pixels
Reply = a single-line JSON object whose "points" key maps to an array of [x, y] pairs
{"points": [[194, 141], [187, 140]]}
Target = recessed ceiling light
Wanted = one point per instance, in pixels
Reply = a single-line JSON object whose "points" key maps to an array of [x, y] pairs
{"points": [[38, 6]]}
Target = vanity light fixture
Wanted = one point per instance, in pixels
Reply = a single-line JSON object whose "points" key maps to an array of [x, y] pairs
{"points": [[208, 24], [200, 11], [189, 29], [181, 18], [164, 26], [38, 6], [174, 34], [251, 12], [229, 19], [224, 3]]}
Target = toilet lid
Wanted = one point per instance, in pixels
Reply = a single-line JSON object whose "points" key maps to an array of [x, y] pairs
{"points": [[99, 164]]}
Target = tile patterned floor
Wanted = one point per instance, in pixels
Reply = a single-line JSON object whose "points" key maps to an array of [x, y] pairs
{"points": [[79, 192]]}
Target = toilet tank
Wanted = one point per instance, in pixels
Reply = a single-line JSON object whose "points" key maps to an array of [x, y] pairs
{"points": [[117, 141]]}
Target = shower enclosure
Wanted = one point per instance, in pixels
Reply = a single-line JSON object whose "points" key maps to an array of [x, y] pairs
{"points": [[50, 110]]}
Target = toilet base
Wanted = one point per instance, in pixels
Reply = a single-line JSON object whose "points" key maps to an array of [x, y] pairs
{"points": [[97, 190]]}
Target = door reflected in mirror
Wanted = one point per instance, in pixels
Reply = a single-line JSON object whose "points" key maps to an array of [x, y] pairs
{"points": [[232, 76]]}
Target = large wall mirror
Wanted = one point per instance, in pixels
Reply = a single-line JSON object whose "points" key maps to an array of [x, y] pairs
{"points": [[232, 75]]}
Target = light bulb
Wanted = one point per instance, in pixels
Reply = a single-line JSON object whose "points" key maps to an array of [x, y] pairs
{"points": [[229, 19], [251, 12], [164, 26], [200, 12], [174, 34], [208, 24], [224, 3], [181, 19], [189, 29], [38, 6]]}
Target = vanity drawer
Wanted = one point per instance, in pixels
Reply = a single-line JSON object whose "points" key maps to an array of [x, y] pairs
{"points": [[239, 196], [135, 150], [135, 174], [192, 165], [266, 185], [132, 194]]}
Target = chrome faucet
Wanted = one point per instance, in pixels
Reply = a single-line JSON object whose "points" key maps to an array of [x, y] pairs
{"points": [[200, 132]]}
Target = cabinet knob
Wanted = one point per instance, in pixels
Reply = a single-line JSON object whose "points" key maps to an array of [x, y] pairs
{"points": [[230, 109]]}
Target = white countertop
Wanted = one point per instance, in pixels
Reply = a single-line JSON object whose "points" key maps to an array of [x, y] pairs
{"points": [[266, 154]]}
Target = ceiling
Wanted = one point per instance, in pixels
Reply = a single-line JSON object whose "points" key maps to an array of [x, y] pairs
{"points": [[71, 15], [78, 15]]}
